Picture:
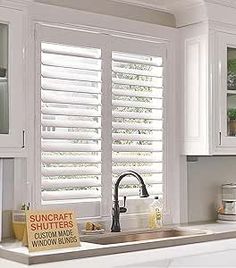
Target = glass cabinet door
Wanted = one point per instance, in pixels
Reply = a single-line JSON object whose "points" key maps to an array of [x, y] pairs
{"points": [[226, 83], [12, 95], [231, 91], [4, 96]]}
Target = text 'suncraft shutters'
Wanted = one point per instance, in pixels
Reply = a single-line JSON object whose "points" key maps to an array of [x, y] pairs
{"points": [[137, 100], [70, 122]]}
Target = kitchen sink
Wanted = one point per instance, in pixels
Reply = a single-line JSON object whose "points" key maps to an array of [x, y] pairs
{"points": [[123, 237]]}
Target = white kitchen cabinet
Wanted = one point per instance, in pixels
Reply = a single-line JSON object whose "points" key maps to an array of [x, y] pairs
{"points": [[195, 89], [209, 89], [12, 114]]}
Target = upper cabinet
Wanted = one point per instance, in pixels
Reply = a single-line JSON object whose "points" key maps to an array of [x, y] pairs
{"points": [[208, 78], [209, 90], [12, 113], [194, 59]]}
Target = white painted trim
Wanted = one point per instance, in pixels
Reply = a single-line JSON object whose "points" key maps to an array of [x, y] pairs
{"points": [[106, 144], [36, 183], [176, 6], [227, 3], [191, 15], [170, 148], [172, 159], [30, 69], [170, 6], [145, 4], [13, 152], [220, 12], [16, 4], [79, 19], [224, 27]]}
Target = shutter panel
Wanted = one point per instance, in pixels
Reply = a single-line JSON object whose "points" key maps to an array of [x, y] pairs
{"points": [[70, 122], [137, 126]]}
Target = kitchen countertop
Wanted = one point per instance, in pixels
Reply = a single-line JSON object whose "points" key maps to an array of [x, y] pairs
{"points": [[216, 231], [209, 254]]}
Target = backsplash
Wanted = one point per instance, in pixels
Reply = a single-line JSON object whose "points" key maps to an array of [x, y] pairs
{"points": [[204, 180]]}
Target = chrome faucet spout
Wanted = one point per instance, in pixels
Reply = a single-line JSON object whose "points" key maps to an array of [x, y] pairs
{"points": [[116, 210]]}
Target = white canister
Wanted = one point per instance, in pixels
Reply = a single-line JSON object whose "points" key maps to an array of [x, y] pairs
{"points": [[229, 198]]}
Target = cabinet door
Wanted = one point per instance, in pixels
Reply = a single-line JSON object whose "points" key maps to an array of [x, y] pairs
{"points": [[195, 108], [227, 90], [11, 80]]}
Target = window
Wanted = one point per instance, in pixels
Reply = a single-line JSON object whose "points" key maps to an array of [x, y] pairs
{"points": [[101, 113]]}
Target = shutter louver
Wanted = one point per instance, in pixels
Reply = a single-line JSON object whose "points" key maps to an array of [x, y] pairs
{"points": [[70, 122], [137, 126]]}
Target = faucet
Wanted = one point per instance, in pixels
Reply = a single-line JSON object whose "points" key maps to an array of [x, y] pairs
{"points": [[116, 210]]}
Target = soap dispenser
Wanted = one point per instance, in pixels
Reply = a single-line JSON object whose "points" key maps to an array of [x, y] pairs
{"points": [[155, 214]]}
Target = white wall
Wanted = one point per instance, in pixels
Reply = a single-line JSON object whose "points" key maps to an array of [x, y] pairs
{"points": [[116, 9], [205, 178]]}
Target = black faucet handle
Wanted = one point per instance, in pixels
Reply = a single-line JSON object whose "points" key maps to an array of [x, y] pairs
{"points": [[124, 204], [123, 209]]}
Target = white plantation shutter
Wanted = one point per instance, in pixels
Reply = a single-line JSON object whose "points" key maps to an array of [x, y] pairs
{"points": [[70, 122], [137, 92], [100, 113]]}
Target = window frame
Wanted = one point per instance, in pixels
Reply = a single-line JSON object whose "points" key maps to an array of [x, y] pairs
{"points": [[50, 31]]}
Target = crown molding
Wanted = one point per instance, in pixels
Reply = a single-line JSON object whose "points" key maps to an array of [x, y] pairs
{"points": [[16, 4], [23, 2], [170, 6], [152, 4], [179, 5], [228, 3]]}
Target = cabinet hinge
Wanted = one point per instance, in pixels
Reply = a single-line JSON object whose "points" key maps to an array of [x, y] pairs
{"points": [[23, 139], [220, 137]]}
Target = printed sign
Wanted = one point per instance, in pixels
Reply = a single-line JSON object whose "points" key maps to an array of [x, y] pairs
{"points": [[51, 230]]}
